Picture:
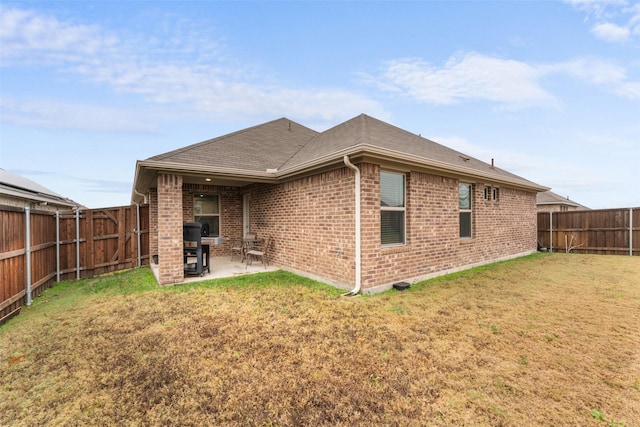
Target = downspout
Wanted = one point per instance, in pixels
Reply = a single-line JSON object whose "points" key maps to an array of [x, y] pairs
{"points": [[138, 234], [356, 289], [139, 194]]}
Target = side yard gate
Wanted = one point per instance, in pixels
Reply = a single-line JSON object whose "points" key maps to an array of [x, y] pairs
{"points": [[601, 231], [38, 248]]}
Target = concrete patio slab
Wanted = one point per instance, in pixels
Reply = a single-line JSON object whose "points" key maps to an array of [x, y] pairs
{"points": [[221, 267]]}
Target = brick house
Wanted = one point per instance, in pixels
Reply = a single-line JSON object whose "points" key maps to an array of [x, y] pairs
{"points": [[361, 206], [548, 201]]}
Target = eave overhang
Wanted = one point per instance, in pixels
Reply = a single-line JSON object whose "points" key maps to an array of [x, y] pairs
{"points": [[375, 154], [147, 170]]}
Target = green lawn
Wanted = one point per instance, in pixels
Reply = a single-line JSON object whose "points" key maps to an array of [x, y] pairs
{"points": [[550, 339]]}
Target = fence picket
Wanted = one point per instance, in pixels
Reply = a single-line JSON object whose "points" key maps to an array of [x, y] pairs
{"points": [[602, 231], [39, 248]]}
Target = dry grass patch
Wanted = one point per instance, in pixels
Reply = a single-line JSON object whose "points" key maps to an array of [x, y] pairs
{"points": [[545, 340]]}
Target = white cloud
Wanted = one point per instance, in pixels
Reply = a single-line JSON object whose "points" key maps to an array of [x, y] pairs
{"points": [[611, 32], [597, 7], [29, 37], [509, 84], [592, 70], [192, 72], [615, 21], [599, 73], [51, 114], [470, 77]]}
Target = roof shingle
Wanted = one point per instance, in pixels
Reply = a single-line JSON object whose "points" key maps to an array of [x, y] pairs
{"points": [[257, 148], [283, 148]]}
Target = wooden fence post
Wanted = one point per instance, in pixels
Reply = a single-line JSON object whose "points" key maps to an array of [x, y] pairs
{"points": [[550, 231], [89, 240], [57, 246], [27, 250], [77, 243], [122, 236], [630, 231]]}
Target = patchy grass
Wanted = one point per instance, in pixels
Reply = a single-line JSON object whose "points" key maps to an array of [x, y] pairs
{"points": [[544, 340]]}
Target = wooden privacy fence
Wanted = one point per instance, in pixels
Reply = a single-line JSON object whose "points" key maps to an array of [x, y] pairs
{"points": [[39, 247], [602, 231]]}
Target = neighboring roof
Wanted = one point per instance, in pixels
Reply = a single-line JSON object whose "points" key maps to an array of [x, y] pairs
{"points": [[282, 149], [22, 188], [551, 198]]}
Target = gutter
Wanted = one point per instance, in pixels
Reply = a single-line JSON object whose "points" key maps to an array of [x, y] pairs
{"points": [[358, 260], [183, 168]]}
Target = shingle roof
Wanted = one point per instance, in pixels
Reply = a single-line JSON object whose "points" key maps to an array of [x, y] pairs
{"points": [[364, 130], [257, 148], [551, 198], [280, 149]]}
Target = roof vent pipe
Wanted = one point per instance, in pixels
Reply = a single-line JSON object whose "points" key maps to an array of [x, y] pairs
{"points": [[356, 289]]}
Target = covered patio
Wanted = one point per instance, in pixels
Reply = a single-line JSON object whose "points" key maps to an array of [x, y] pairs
{"points": [[222, 267]]}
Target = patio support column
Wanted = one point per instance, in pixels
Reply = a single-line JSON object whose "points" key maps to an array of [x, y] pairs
{"points": [[153, 222], [170, 262]]}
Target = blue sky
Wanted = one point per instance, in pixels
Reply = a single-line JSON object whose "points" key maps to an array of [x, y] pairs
{"points": [[549, 89]]}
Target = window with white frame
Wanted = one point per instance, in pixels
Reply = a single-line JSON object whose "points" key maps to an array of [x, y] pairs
{"points": [[392, 208], [206, 210], [464, 197]]}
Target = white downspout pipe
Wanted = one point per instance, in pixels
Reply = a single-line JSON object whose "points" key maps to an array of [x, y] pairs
{"points": [[138, 234], [356, 289]]}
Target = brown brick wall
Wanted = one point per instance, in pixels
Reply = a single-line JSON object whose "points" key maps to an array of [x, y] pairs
{"points": [[500, 229], [311, 223], [171, 269], [230, 211]]}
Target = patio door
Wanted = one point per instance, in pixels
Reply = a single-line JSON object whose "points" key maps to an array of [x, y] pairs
{"points": [[246, 214]]}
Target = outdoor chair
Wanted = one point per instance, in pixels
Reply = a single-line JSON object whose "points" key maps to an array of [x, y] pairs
{"points": [[259, 252], [193, 248], [242, 246], [235, 247]]}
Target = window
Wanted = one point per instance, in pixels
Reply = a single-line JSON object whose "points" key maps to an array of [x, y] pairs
{"points": [[206, 210], [491, 193], [392, 208], [464, 196]]}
